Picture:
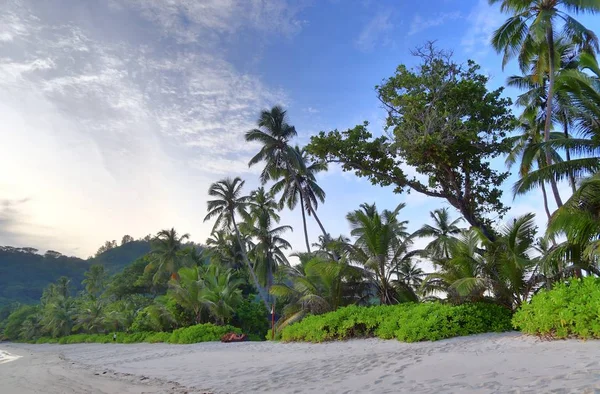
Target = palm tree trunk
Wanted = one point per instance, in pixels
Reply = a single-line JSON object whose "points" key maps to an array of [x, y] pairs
{"points": [[548, 122], [245, 257], [545, 201], [568, 154], [304, 223], [311, 210]]}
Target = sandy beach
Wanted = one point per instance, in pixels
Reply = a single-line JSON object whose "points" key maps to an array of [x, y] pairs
{"points": [[489, 363]]}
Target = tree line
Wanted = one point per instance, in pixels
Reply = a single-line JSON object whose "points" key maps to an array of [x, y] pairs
{"points": [[443, 121]]}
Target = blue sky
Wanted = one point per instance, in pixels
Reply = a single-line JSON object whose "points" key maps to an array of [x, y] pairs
{"points": [[117, 115]]}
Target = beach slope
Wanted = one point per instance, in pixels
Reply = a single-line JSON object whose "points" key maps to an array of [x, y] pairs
{"points": [[488, 363]]}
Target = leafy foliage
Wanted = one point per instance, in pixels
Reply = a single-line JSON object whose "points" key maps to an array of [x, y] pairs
{"points": [[405, 322], [569, 309], [445, 123]]}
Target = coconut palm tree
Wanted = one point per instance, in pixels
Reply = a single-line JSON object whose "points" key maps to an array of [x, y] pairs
{"points": [[187, 291], [381, 246], [167, 254], [274, 134], [410, 275], [221, 293], [222, 248], [534, 100], [228, 202], [268, 252], [533, 23], [443, 233], [479, 267], [318, 285], [579, 221], [295, 185], [583, 87], [527, 152], [90, 317], [95, 280]]}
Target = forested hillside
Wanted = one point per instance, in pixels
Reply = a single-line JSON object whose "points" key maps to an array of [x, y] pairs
{"points": [[24, 272]]}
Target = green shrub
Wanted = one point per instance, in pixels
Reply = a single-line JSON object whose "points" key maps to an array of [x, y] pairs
{"points": [[157, 337], [569, 309], [201, 333], [253, 318], [405, 322]]}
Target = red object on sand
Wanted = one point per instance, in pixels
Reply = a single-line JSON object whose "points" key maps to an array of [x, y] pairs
{"points": [[233, 337]]}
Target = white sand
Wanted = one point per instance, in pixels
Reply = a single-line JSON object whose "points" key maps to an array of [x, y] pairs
{"points": [[487, 363]]}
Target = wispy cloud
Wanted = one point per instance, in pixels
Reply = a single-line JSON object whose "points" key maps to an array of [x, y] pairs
{"points": [[420, 24], [375, 32], [483, 21], [120, 128]]}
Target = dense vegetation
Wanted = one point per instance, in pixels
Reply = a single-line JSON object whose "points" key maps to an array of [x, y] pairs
{"points": [[406, 322], [570, 309], [24, 273], [443, 122]]}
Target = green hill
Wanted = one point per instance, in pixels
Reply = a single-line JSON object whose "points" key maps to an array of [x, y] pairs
{"points": [[24, 273]]}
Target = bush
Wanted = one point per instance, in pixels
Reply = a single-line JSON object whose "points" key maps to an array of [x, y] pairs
{"points": [[405, 322], [253, 319], [201, 333], [569, 309], [193, 334]]}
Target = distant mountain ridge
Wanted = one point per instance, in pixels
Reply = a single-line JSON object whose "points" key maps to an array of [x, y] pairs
{"points": [[24, 273]]}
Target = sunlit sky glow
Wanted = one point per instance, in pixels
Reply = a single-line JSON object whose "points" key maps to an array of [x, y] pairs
{"points": [[116, 115]]}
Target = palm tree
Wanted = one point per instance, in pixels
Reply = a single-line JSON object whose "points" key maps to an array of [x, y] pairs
{"points": [[532, 26], [58, 316], [167, 253], [443, 233], [382, 246], [268, 251], [221, 293], [410, 275], [223, 249], [95, 280], [228, 202], [526, 150], [583, 86], [478, 267], [90, 317], [579, 221], [274, 134], [318, 285], [295, 185], [534, 101], [187, 290]]}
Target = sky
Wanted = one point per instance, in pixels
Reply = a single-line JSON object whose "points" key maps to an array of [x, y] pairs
{"points": [[117, 115]]}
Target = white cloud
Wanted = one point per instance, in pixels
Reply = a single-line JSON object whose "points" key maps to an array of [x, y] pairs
{"points": [[483, 20], [120, 129], [374, 32], [192, 20], [420, 24]]}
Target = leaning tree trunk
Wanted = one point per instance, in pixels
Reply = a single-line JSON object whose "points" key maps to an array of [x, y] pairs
{"points": [[248, 265], [568, 154], [548, 122], [304, 223], [545, 201]]}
